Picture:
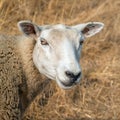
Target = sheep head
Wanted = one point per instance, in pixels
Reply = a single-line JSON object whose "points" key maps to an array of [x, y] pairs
{"points": [[58, 47]]}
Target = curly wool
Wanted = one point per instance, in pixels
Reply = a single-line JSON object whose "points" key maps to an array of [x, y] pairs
{"points": [[19, 79]]}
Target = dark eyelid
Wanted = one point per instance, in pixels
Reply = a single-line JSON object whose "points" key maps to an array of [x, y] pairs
{"points": [[43, 41]]}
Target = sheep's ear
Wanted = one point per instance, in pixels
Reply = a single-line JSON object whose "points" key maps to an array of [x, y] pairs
{"points": [[29, 29], [90, 29]]}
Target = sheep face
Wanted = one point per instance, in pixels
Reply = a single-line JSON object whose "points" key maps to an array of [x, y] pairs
{"points": [[57, 50], [57, 54]]}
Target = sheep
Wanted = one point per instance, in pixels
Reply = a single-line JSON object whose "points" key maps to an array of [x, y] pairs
{"points": [[50, 51]]}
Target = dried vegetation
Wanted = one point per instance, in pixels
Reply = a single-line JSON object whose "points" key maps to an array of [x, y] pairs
{"points": [[98, 95]]}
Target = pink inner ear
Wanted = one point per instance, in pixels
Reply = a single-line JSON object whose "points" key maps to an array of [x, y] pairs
{"points": [[89, 28], [28, 28], [84, 31]]}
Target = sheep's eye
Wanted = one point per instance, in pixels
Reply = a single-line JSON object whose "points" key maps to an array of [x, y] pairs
{"points": [[43, 41], [81, 42]]}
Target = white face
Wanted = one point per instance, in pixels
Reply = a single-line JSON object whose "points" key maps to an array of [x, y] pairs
{"points": [[57, 50], [56, 55]]}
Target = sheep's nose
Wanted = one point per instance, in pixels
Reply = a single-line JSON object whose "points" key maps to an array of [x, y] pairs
{"points": [[72, 76]]}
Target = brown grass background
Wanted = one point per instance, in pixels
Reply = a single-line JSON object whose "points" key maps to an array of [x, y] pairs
{"points": [[97, 97]]}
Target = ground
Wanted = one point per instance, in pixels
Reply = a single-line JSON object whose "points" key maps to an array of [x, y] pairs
{"points": [[97, 97]]}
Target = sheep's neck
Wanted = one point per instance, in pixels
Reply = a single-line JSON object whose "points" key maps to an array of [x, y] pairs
{"points": [[34, 80], [28, 93]]}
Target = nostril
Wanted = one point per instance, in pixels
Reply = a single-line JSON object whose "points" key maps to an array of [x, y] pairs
{"points": [[69, 74], [78, 75]]}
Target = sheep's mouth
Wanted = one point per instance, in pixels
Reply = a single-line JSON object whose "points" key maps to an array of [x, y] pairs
{"points": [[67, 84]]}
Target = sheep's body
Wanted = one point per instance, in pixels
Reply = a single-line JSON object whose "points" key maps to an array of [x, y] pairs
{"points": [[13, 74], [10, 79]]}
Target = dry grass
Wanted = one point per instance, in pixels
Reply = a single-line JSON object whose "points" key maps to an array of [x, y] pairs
{"points": [[98, 95]]}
